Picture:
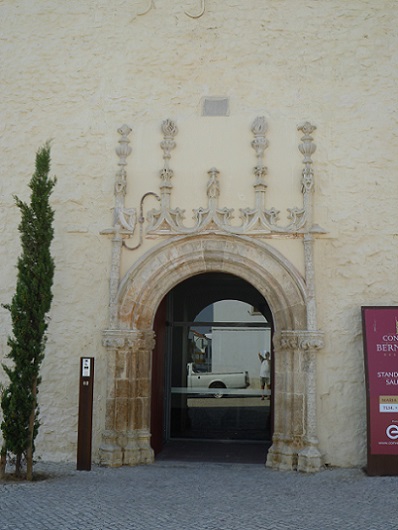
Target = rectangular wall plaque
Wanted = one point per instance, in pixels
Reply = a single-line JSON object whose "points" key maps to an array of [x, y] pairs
{"points": [[380, 336]]}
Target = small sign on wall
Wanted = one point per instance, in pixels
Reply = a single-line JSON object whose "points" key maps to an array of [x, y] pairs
{"points": [[380, 335], [86, 366]]}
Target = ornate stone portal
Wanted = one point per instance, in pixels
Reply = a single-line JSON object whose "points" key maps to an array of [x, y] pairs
{"points": [[215, 243]]}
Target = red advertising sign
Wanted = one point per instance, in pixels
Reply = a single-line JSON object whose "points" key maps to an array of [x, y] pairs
{"points": [[380, 327]]}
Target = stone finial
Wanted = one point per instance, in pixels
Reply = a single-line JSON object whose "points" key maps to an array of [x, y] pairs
{"points": [[169, 129], [123, 150], [213, 185], [260, 143], [307, 148]]}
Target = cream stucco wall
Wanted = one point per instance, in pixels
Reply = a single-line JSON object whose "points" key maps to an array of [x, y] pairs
{"points": [[75, 72]]}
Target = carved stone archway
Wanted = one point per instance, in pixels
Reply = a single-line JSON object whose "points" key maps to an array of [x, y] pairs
{"points": [[126, 439]]}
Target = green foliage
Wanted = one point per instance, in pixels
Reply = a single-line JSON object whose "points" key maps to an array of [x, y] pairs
{"points": [[29, 308]]}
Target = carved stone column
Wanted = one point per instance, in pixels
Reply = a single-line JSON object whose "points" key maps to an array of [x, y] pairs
{"points": [[126, 439], [282, 454], [295, 441], [309, 457], [121, 227]]}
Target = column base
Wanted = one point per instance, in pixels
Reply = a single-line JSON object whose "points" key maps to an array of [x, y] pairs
{"points": [[138, 450], [310, 460], [125, 449], [110, 452], [282, 456]]}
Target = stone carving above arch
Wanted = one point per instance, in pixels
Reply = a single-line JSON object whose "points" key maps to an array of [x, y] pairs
{"points": [[169, 263], [213, 245], [256, 221]]}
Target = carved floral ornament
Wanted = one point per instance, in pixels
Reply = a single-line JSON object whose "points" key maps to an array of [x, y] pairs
{"points": [[256, 220], [299, 340]]}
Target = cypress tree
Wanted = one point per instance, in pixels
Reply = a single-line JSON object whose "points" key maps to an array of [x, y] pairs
{"points": [[29, 315]]}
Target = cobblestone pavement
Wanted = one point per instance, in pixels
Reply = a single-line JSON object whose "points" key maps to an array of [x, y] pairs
{"points": [[174, 495]]}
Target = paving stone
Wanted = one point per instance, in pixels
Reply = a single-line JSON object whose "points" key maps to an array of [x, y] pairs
{"points": [[172, 495]]}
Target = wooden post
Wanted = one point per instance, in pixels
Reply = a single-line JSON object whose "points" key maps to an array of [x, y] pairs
{"points": [[84, 436]]}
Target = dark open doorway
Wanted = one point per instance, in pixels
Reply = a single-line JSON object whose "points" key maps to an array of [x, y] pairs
{"points": [[206, 396]]}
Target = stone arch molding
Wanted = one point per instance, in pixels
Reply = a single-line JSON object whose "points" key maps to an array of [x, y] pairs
{"points": [[126, 439], [146, 283]]}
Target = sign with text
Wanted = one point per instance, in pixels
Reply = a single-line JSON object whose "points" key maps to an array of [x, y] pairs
{"points": [[380, 332], [85, 420]]}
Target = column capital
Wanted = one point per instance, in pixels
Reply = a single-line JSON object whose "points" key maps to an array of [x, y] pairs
{"points": [[304, 340], [119, 339]]}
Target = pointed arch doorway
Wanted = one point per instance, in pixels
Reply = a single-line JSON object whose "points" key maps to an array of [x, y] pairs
{"points": [[207, 401]]}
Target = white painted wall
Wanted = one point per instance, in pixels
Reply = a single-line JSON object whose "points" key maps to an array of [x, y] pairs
{"points": [[236, 349], [74, 72]]}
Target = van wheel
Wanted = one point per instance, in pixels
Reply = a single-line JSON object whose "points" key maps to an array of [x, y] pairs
{"points": [[219, 393]]}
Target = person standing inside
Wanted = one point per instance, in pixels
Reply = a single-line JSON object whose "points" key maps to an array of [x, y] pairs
{"points": [[265, 371]]}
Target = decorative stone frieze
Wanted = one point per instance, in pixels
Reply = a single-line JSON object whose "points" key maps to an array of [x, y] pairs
{"points": [[301, 340], [256, 220]]}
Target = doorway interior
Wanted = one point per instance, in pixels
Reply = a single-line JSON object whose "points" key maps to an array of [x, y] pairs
{"points": [[207, 402]]}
